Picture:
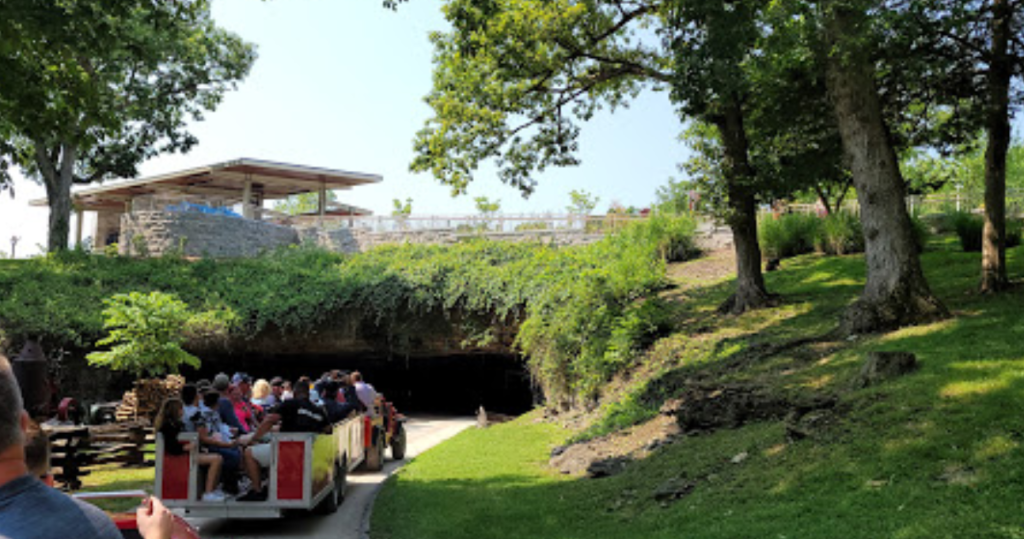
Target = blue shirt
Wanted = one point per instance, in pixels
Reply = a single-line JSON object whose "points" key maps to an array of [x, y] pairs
{"points": [[31, 510]]}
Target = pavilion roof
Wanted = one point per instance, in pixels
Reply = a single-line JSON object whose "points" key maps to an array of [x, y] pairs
{"points": [[224, 180]]}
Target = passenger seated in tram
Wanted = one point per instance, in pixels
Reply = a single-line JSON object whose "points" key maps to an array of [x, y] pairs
{"points": [[336, 410], [215, 437], [298, 414], [170, 422], [365, 392]]}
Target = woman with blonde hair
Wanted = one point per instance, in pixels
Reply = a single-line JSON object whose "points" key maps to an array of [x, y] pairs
{"points": [[261, 393], [170, 423]]}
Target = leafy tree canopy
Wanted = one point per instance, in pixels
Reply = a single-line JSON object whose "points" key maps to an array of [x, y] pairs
{"points": [[581, 202], [147, 331], [93, 88]]}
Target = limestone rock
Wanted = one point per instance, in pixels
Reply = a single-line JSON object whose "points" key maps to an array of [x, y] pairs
{"points": [[607, 467], [673, 489]]}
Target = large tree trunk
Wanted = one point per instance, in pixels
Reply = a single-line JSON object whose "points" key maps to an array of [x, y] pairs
{"points": [[896, 292], [58, 183], [993, 239], [750, 289]]}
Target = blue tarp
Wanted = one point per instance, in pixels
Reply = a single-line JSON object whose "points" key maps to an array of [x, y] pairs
{"points": [[200, 208]]}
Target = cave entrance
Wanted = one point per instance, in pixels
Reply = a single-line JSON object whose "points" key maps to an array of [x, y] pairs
{"points": [[448, 385]]}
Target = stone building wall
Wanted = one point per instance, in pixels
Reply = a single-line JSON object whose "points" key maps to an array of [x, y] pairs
{"points": [[155, 233]]}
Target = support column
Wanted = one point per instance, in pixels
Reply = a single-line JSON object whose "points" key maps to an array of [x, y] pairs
{"points": [[79, 214], [322, 200], [247, 198]]}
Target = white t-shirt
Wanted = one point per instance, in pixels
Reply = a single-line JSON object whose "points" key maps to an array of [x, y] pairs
{"points": [[367, 394]]}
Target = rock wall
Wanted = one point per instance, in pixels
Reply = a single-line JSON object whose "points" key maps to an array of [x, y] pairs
{"points": [[155, 233]]}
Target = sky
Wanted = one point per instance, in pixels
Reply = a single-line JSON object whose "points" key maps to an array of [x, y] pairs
{"points": [[340, 84]]}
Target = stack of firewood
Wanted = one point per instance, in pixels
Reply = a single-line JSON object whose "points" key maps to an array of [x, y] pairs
{"points": [[144, 401]]}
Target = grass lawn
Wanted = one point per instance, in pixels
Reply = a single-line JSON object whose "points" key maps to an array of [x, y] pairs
{"points": [[936, 454], [114, 477]]}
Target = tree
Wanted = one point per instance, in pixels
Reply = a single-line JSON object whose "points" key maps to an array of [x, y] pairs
{"points": [[895, 292], [486, 206], [94, 88], [514, 79], [978, 46], [1004, 56], [402, 209], [304, 203], [581, 202], [147, 331]]}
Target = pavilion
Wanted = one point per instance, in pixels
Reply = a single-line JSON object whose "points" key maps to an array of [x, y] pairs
{"points": [[217, 188]]}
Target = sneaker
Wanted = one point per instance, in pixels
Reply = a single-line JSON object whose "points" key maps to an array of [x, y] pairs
{"points": [[213, 497], [254, 496]]}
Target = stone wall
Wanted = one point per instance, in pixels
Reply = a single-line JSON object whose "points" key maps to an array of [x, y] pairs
{"points": [[199, 234], [155, 233]]}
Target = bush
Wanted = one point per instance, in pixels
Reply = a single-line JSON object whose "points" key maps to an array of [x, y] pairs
{"points": [[922, 230], [788, 235], [147, 331], [969, 228], [582, 313], [840, 234]]}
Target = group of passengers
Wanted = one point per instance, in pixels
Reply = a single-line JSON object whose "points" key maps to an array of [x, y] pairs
{"points": [[233, 417]]}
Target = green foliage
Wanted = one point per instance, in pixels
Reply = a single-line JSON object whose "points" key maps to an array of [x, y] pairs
{"points": [[933, 454], [303, 203], [487, 206], [533, 225], [94, 88], [795, 234], [581, 312], [514, 79], [147, 331], [788, 235], [673, 197], [401, 209], [840, 234], [969, 227], [581, 202]]}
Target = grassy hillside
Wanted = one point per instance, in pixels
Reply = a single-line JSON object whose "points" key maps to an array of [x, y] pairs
{"points": [[936, 453]]}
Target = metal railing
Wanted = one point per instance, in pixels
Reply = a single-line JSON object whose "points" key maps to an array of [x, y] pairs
{"points": [[491, 224]]}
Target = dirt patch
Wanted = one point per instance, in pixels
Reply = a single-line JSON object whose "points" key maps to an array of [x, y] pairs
{"points": [[697, 409], [609, 454], [704, 271]]}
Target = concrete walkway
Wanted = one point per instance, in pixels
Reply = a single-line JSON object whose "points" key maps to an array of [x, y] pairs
{"points": [[352, 519]]}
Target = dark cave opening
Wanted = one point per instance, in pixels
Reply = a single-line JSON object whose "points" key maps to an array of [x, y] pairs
{"points": [[444, 385]]}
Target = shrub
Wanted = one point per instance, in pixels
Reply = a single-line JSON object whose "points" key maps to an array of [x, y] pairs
{"points": [[922, 230], [969, 228], [840, 234], [147, 331], [582, 312], [532, 225], [788, 235]]}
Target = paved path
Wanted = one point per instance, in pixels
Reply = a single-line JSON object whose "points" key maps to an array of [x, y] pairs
{"points": [[423, 433]]}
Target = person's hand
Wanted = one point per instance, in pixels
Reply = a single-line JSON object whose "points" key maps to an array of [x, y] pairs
{"points": [[154, 520]]}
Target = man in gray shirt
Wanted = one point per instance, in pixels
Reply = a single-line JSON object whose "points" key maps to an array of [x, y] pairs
{"points": [[28, 508]]}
